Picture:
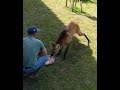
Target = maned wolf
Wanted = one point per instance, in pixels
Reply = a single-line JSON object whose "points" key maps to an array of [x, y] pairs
{"points": [[65, 39]]}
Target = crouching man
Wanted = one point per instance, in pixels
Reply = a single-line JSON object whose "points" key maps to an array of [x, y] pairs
{"points": [[34, 53]]}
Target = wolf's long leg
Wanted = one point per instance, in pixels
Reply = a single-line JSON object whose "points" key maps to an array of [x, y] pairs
{"points": [[83, 34], [59, 52], [66, 51], [87, 39]]}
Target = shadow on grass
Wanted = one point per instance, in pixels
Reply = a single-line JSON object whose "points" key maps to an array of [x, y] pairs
{"points": [[80, 67], [77, 11], [79, 50], [38, 14], [29, 84], [35, 12], [89, 16]]}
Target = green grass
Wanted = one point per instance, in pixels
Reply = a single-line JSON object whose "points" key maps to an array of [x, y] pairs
{"points": [[79, 70]]}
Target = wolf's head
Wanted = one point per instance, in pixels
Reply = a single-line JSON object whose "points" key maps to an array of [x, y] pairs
{"points": [[55, 49]]}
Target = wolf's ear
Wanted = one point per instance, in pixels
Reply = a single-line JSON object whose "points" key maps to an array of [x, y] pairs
{"points": [[52, 44]]}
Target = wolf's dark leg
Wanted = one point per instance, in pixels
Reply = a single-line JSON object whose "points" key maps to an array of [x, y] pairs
{"points": [[87, 39], [59, 52], [66, 51]]}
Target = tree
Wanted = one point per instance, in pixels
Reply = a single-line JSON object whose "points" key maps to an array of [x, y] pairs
{"points": [[81, 5]]}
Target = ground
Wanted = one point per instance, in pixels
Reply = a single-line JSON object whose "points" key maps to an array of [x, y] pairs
{"points": [[79, 70]]}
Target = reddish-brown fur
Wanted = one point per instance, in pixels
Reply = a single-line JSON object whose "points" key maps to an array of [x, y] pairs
{"points": [[65, 38]]}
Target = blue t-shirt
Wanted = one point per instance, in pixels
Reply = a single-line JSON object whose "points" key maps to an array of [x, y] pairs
{"points": [[31, 48]]}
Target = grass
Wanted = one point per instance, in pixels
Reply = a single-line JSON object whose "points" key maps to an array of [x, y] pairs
{"points": [[79, 70]]}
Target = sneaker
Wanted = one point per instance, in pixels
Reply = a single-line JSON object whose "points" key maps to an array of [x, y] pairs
{"points": [[33, 76], [25, 74]]}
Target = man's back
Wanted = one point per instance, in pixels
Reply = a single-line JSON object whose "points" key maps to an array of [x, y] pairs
{"points": [[31, 48]]}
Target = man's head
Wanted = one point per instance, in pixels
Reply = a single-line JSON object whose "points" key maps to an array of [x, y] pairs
{"points": [[32, 30]]}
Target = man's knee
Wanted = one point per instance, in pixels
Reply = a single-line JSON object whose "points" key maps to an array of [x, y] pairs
{"points": [[41, 61], [45, 57]]}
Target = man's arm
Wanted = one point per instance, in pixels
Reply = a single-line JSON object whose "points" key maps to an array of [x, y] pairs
{"points": [[43, 52]]}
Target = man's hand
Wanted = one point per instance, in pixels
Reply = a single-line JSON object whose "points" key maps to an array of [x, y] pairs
{"points": [[43, 52]]}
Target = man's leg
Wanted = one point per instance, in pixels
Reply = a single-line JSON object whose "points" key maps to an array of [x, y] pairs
{"points": [[28, 70], [41, 62]]}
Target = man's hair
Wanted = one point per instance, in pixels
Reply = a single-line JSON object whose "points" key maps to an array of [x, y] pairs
{"points": [[29, 33]]}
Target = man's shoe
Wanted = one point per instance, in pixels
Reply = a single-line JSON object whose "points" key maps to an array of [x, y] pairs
{"points": [[33, 76]]}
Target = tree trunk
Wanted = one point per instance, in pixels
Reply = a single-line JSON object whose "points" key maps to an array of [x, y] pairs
{"points": [[81, 5], [66, 3], [72, 5], [75, 2]]}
